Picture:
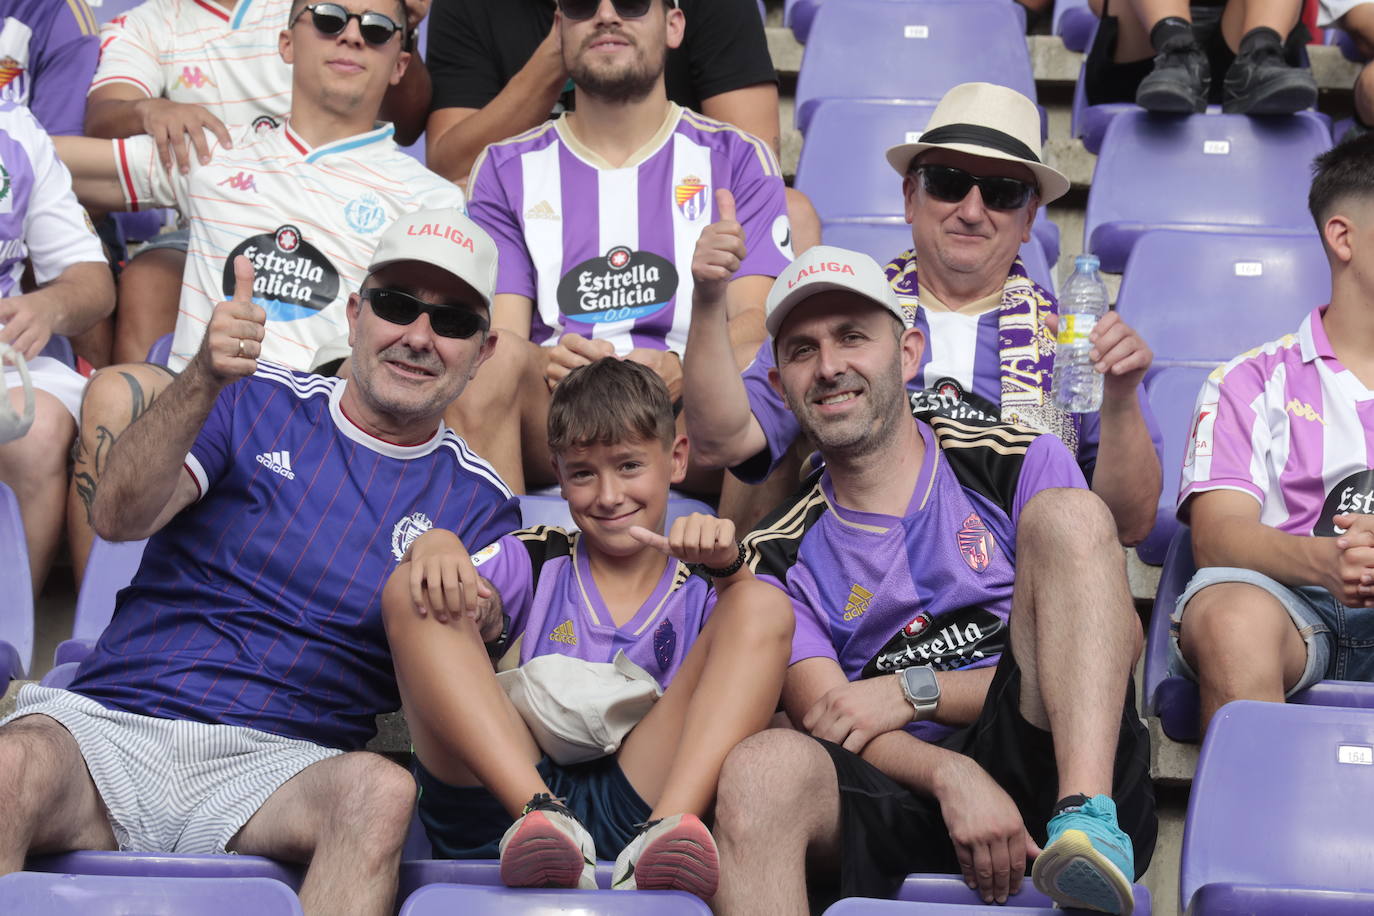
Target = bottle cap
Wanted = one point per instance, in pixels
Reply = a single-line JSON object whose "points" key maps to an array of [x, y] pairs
{"points": [[1086, 263]]}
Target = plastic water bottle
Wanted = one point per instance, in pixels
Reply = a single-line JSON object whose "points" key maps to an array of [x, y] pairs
{"points": [[1077, 386]]}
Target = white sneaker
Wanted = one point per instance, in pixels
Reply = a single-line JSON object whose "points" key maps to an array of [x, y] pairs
{"points": [[548, 847], [672, 854]]}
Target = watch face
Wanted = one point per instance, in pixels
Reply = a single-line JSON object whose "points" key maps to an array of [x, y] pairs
{"points": [[921, 684]]}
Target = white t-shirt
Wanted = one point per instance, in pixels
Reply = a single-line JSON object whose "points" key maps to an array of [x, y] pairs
{"points": [[197, 52], [308, 218]]}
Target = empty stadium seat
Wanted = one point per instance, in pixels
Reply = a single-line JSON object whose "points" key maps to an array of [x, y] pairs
{"points": [[166, 865], [1281, 813], [867, 906], [884, 240], [447, 899], [34, 894], [537, 509], [798, 15], [161, 350], [1172, 392], [60, 349], [111, 566], [1216, 173], [1074, 22], [1173, 697], [16, 611], [911, 49], [1089, 122]]}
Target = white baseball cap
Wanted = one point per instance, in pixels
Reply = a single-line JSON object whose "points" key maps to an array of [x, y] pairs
{"points": [[448, 240], [823, 268]]}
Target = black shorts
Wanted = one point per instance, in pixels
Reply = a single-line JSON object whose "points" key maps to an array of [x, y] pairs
{"points": [[466, 822], [887, 831]]}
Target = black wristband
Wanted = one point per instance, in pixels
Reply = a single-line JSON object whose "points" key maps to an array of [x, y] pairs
{"points": [[497, 647], [727, 571]]}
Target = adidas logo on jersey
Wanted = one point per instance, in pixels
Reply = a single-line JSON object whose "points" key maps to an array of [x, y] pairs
{"points": [[278, 462], [564, 633], [541, 210]]}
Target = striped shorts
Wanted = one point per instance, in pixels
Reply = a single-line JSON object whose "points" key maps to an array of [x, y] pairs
{"points": [[172, 785]]}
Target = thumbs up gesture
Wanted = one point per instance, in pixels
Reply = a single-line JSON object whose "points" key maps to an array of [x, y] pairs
{"points": [[233, 340], [694, 538], [718, 255]]}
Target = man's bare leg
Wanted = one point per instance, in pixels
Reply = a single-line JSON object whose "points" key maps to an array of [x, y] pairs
{"points": [[503, 413], [49, 802], [116, 397], [778, 805], [1242, 644], [1074, 631], [347, 818], [35, 468], [149, 292]]}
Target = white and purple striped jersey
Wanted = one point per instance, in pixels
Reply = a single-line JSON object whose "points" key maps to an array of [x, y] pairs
{"points": [[1292, 427], [308, 218], [197, 52], [606, 252], [40, 218], [546, 586], [260, 604]]}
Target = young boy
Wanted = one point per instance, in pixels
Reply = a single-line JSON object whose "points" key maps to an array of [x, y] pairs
{"points": [[714, 637]]}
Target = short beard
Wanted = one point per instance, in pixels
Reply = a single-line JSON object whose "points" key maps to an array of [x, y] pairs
{"points": [[631, 84], [871, 437]]}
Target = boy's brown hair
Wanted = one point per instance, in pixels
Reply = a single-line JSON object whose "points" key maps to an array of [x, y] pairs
{"points": [[610, 401]]}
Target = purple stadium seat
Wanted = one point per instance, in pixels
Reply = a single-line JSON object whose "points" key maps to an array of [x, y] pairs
{"points": [[105, 10], [111, 567], [1173, 697], [60, 348], [1341, 39], [16, 611], [553, 510], [166, 865], [950, 890], [1172, 391], [32, 894], [1216, 173], [1074, 22], [1089, 122], [161, 350], [868, 906], [447, 899], [1283, 798], [798, 15], [911, 49], [141, 226], [884, 240]]}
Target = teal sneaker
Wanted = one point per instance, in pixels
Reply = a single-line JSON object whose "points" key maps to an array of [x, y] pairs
{"points": [[1088, 862]]}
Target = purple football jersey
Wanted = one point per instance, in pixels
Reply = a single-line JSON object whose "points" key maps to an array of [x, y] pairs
{"points": [[48, 54], [878, 593], [546, 585], [606, 252]]}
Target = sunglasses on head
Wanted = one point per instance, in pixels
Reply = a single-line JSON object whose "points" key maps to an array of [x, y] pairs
{"points": [[331, 19], [945, 182], [586, 9], [447, 320]]}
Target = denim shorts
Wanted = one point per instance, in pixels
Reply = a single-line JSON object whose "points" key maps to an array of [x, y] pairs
{"points": [[1339, 639]]}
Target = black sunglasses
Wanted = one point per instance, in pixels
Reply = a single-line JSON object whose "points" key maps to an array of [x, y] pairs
{"points": [[447, 320], [331, 19], [586, 9], [945, 182]]}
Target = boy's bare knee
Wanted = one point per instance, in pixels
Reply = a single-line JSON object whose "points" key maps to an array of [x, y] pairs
{"points": [[758, 612], [1222, 618]]}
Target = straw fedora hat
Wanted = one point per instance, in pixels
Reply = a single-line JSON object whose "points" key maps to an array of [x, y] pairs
{"points": [[989, 121]]}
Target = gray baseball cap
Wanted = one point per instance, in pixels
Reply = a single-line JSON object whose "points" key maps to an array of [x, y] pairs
{"points": [[823, 268], [448, 240]]}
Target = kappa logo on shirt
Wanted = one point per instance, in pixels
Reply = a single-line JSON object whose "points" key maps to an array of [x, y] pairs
{"points": [[859, 597], [542, 210], [564, 633], [1304, 411], [193, 78], [278, 463], [240, 182]]}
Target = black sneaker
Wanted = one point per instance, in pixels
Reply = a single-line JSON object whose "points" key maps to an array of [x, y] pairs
{"points": [[1260, 82], [1178, 84]]}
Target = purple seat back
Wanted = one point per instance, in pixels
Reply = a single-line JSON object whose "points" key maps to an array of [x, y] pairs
{"points": [[1074, 22], [16, 611], [911, 49], [161, 350], [950, 890], [166, 865], [110, 568], [553, 510], [35, 894], [1216, 173], [1283, 796], [1261, 900], [141, 225], [470, 900], [868, 906], [798, 15], [884, 240], [60, 349], [1172, 391]]}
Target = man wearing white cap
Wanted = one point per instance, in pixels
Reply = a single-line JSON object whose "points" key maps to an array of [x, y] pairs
{"points": [[226, 705], [916, 559], [972, 186]]}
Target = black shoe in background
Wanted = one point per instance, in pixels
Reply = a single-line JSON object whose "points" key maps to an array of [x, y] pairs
{"points": [[1178, 84], [1260, 82]]}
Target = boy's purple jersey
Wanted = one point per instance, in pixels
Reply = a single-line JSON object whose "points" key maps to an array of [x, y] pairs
{"points": [[606, 252], [878, 593], [1291, 426], [546, 586], [260, 604], [48, 54], [960, 377]]}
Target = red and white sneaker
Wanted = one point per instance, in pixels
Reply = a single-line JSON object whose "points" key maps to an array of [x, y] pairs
{"points": [[548, 847], [672, 854]]}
